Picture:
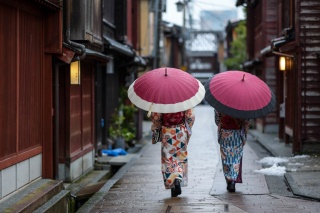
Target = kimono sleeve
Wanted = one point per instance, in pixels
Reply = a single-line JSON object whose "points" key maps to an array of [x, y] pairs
{"points": [[244, 130], [246, 124], [190, 117], [217, 117], [156, 125]]}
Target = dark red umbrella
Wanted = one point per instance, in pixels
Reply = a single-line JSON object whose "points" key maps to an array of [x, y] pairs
{"points": [[166, 90], [239, 94]]}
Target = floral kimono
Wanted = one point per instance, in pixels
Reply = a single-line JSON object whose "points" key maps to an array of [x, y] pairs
{"points": [[175, 138], [232, 136]]}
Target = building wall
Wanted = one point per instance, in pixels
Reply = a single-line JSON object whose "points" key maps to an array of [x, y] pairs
{"points": [[262, 28], [145, 29], [16, 176], [77, 168], [76, 122], [25, 94], [307, 80]]}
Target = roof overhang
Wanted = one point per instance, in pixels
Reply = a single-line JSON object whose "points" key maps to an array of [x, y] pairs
{"points": [[251, 63], [140, 61], [267, 51], [52, 4], [118, 47], [69, 52], [91, 54], [273, 48], [271, 51]]}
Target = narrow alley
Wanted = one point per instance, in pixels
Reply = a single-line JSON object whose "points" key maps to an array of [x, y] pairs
{"points": [[138, 186]]}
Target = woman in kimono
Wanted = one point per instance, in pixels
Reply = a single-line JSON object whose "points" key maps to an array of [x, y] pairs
{"points": [[175, 134], [232, 136]]}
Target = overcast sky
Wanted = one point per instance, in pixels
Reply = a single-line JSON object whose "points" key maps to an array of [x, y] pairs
{"points": [[171, 15]]}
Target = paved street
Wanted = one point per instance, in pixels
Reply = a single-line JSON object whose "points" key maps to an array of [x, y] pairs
{"points": [[138, 187]]}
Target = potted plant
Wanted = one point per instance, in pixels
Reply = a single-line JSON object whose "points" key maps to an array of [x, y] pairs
{"points": [[122, 129], [115, 130], [129, 127]]}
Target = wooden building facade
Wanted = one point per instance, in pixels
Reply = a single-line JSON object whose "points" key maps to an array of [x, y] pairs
{"points": [[52, 126], [295, 43], [261, 29], [31, 33], [104, 29]]}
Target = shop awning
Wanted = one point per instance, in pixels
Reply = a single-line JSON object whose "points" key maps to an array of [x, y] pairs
{"points": [[118, 47]]}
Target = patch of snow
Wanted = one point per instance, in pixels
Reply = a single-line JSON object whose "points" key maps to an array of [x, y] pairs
{"points": [[272, 160], [273, 170]]}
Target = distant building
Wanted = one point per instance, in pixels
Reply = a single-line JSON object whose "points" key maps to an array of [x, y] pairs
{"points": [[202, 48], [217, 20]]}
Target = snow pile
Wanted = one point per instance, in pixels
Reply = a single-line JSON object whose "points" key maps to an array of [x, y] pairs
{"points": [[274, 162], [273, 170]]}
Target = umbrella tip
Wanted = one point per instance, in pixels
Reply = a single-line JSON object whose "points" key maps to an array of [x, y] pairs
{"points": [[166, 72], [243, 77]]}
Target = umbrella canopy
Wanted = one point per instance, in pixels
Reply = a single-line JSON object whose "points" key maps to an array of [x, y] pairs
{"points": [[166, 90], [239, 94]]}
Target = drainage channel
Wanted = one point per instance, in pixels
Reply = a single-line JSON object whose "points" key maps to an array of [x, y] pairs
{"points": [[105, 168]]}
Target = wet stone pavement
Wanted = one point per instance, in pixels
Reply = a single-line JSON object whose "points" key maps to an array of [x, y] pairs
{"points": [[138, 185]]}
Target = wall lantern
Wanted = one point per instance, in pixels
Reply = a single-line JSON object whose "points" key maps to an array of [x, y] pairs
{"points": [[75, 73], [285, 63], [180, 6], [282, 63]]}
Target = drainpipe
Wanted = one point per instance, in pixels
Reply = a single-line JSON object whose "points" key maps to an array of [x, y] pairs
{"points": [[56, 118], [80, 55]]}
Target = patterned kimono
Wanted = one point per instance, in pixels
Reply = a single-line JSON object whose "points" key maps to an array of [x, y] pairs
{"points": [[232, 136], [175, 138]]}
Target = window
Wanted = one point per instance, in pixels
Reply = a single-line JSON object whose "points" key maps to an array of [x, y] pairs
{"points": [[108, 18], [287, 14]]}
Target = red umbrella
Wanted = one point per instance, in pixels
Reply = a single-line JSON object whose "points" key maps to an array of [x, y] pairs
{"points": [[166, 90], [239, 94]]}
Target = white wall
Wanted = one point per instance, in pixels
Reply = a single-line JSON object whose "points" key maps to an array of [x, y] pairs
{"points": [[19, 175]]}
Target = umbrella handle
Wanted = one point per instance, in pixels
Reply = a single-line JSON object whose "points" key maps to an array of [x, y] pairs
{"points": [[149, 112]]}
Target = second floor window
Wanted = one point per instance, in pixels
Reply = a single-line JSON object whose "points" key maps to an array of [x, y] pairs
{"points": [[287, 14]]}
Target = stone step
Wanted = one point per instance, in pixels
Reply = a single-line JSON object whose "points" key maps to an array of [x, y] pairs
{"points": [[86, 186], [31, 196], [59, 203], [93, 176], [117, 160], [89, 190]]}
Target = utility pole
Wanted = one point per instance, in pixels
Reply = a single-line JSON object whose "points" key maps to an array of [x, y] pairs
{"points": [[182, 6], [184, 66], [157, 22]]}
